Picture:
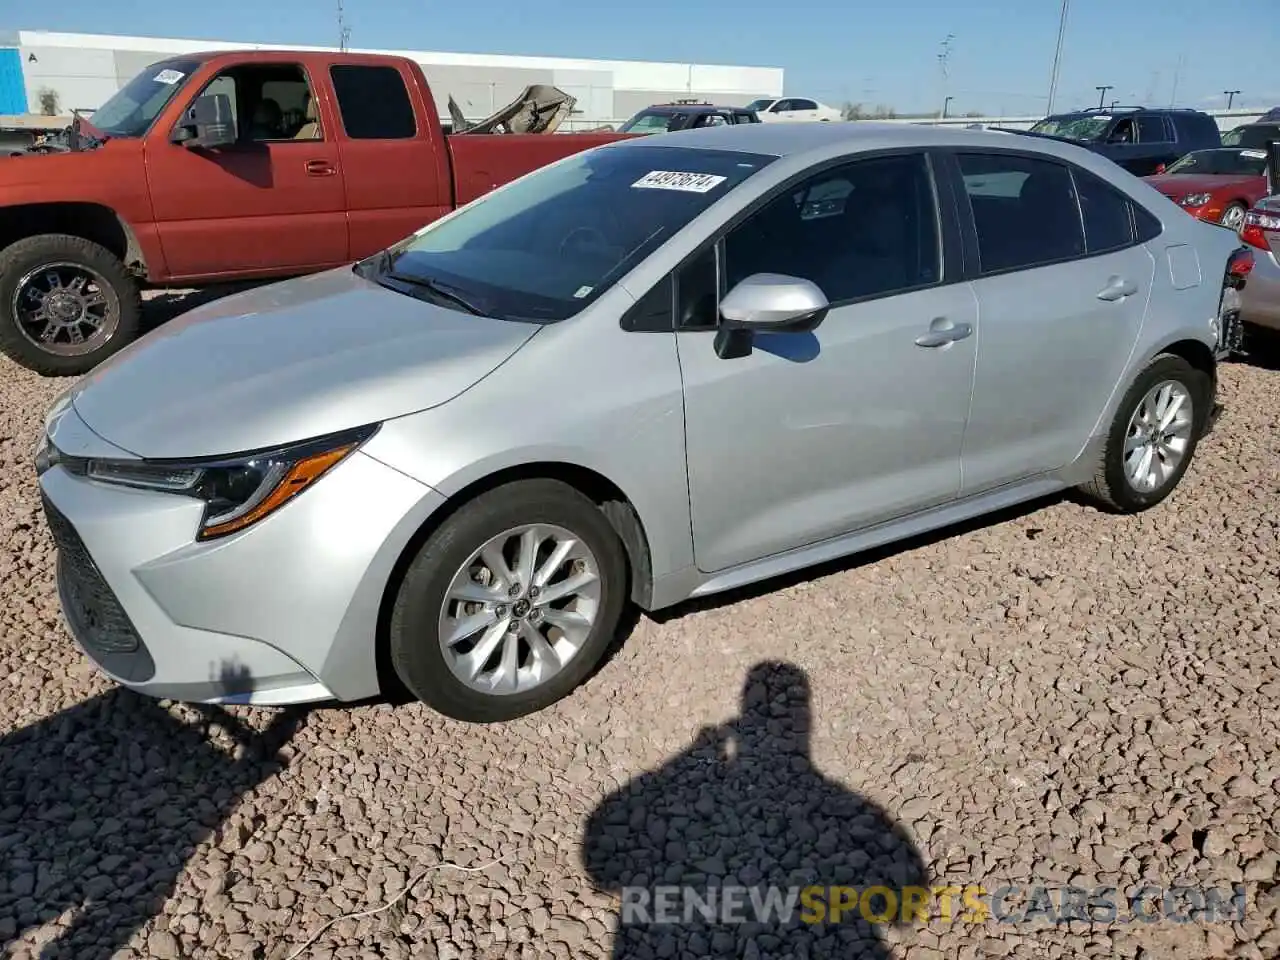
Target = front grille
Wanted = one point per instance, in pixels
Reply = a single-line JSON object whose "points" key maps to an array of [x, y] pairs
{"points": [[95, 615]]}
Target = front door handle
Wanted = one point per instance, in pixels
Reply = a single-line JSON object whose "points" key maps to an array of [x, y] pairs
{"points": [[941, 336], [320, 168], [1117, 288]]}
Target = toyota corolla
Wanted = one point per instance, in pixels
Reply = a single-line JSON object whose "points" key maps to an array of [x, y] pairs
{"points": [[656, 370]]}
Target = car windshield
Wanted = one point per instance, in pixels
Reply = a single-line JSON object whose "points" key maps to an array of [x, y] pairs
{"points": [[758, 105], [548, 244], [1222, 163], [1073, 128], [1251, 136], [650, 121], [135, 106]]}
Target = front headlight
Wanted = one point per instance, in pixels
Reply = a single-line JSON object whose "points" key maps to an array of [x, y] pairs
{"points": [[1195, 199], [237, 491]]}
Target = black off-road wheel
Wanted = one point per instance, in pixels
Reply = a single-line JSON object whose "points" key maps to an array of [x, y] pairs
{"points": [[66, 304], [510, 603], [1153, 436]]}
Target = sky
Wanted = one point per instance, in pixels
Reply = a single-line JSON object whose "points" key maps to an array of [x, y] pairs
{"points": [[999, 61]]}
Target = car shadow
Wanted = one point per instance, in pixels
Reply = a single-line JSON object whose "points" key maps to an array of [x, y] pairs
{"points": [[101, 806], [739, 847]]}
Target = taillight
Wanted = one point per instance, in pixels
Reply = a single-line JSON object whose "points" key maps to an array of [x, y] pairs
{"points": [[1240, 263], [1256, 227]]}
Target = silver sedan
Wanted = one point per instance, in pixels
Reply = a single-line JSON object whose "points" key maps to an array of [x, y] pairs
{"points": [[656, 370]]}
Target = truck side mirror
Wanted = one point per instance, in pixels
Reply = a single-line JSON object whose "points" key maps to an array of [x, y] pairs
{"points": [[208, 123]]}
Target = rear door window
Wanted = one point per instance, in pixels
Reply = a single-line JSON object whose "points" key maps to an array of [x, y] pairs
{"points": [[1151, 129], [1107, 222], [1025, 210], [373, 102]]}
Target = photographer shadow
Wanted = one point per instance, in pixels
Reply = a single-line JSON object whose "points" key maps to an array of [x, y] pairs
{"points": [[744, 807], [103, 804]]}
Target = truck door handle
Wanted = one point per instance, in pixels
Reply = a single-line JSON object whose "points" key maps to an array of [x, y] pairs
{"points": [[1117, 288], [320, 168], [939, 336]]}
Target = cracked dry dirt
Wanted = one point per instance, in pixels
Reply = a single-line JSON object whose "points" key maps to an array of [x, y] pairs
{"points": [[1055, 696]]}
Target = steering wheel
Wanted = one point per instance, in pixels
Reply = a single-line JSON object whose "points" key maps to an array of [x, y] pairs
{"points": [[595, 239]]}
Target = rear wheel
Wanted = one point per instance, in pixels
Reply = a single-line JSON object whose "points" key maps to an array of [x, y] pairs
{"points": [[510, 604], [66, 304], [1153, 436]]}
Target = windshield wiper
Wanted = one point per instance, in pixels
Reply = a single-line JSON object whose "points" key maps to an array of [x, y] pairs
{"points": [[436, 288]]}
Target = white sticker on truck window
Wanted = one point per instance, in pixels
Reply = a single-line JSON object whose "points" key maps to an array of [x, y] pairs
{"points": [[1254, 154], [169, 76], [677, 180]]}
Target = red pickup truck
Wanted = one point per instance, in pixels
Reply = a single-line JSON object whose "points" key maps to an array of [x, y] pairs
{"points": [[224, 166]]}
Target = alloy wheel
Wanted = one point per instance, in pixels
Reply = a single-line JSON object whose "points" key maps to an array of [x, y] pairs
{"points": [[1159, 435], [520, 609]]}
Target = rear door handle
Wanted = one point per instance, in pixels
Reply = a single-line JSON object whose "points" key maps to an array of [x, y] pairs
{"points": [[1117, 288], [320, 168], [941, 336]]}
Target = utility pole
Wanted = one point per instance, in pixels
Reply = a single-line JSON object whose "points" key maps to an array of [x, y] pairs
{"points": [[1057, 55], [1231, 96], [944, 106], [944, 62], [344, 32], [1102, 93], [1177, 75]]}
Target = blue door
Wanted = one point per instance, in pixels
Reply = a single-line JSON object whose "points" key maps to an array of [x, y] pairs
{"points": [[13, 87]]}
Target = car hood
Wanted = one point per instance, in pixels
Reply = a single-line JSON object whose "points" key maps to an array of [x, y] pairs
{"points": [[288, 362], [1180, 184]]}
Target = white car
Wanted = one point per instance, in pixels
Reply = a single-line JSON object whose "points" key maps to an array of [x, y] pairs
{"points": [[793, 108]]}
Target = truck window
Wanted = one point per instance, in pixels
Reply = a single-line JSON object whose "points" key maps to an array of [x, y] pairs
{"points": [[373, 102], [269, 101], [1151, 129], [132, 109]]}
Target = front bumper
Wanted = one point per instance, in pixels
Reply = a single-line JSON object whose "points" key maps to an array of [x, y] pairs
{"points": [[284, 612]]}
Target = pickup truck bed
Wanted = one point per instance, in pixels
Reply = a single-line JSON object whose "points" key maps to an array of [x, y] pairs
{"points": [[209, 168]]}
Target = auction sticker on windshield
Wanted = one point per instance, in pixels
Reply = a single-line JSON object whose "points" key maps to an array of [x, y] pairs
{"points": [[676, 180], [168, 76], [1254, 154]]}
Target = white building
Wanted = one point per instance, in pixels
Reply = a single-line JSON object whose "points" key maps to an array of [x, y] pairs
{"points": [[77, 70]]}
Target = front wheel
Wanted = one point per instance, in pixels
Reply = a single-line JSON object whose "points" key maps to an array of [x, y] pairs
{"points": [[66, 304], [1233, 216], [1152, 437], [510, 604]]}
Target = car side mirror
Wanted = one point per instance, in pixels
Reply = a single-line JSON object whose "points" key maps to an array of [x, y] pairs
{"points": [[208, 123], [767, 303]]}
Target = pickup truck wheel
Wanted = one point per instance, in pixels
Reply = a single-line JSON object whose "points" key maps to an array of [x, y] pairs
{"points": [[1152, 437], [510, 603], [66, 304]]}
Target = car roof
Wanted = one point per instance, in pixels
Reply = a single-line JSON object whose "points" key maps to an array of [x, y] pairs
{"points": [[687, 108], [798, 139]]}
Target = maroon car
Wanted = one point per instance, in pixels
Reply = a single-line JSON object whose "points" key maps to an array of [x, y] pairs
{"points": [[1215, 185]]}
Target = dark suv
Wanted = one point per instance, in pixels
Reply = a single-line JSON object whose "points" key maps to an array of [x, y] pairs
{"points": [[1140, 139], [1255, 135], [682, 115]]}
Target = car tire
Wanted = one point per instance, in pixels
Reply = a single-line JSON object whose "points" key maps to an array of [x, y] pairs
{"points": [[427, 615], [25, 270], [1233, 216], [1114, 485]]}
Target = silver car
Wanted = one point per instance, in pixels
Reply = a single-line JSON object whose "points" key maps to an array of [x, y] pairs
{"points": [[653, 371]]}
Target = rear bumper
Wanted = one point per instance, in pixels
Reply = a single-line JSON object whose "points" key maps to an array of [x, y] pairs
{"points": [[1260, 298]]}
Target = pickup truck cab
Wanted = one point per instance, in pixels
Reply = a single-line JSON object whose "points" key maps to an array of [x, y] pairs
{"points": [[227, 166]]}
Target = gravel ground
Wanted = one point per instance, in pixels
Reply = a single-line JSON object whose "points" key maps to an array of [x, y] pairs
{"points": [[1056, 696]]}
